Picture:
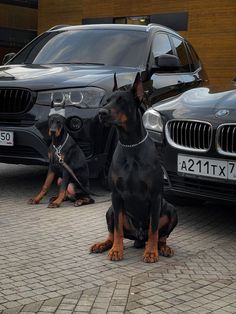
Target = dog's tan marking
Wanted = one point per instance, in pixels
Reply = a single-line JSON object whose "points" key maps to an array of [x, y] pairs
{"points": [[50, 155], [44, 190], [151, 251], [103, 246], [164, 220], [164, 249], [116, 252], [57, 202]]}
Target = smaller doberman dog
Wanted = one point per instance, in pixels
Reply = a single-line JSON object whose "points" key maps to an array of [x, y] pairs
{"points": [[67, 162], [138, 212]]}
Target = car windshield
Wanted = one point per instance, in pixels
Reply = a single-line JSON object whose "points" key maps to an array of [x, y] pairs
{"points": [[87, 46]]}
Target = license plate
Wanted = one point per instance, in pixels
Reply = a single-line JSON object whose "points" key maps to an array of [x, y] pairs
{"points": [[6, 138], [207, 167]]}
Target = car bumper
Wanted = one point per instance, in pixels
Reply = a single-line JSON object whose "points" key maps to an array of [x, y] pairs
{"points": [[197, 187], [30, 148]]}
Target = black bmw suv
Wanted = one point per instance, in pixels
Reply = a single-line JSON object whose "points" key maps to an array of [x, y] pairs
{"points": [[79, 62]]}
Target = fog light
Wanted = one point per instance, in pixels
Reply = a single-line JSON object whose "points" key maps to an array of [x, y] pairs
{"points": [[75, 124]]}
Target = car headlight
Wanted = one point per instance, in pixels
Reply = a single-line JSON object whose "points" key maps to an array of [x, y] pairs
{"points": [[152, 120], [88, 97]]}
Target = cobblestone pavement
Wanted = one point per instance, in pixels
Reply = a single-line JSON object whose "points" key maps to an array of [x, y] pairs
{"points": [[45, 265]]}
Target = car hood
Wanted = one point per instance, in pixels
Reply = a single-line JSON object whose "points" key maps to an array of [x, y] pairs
{"points": [[200, 104], [46, 77]]}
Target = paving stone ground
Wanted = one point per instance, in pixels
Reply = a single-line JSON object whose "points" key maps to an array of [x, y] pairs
{"points": [[45, 265]]}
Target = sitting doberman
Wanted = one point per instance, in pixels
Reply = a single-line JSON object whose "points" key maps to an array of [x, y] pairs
{"points": [[66, 162], [138, 212]]}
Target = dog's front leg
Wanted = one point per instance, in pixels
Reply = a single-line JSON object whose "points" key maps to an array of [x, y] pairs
{"points": [[62, 193], [105, 245], [151, 249], [45, 188], [116, 252]]}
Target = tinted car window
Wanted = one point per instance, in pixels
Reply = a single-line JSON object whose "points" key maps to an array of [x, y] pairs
{"points": [[161, 45], [182, 54], [110, 47], [195, 62]]}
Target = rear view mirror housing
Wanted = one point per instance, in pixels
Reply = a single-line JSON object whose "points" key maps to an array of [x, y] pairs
{"points": [[167, 62], [8, 57]]}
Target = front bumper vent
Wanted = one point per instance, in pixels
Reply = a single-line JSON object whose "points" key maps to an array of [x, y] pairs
{"points": [[189, 135], [15, 101], [226, 139], [197, 186]]}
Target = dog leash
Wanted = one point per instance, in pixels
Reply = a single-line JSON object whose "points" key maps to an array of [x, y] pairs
{"points": [[71, 172], [59, 148], [68, 168]]}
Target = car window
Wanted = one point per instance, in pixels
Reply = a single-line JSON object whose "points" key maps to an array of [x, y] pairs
{"points": [[182, 54], [161, 45], [195, 61], [109, 47]]}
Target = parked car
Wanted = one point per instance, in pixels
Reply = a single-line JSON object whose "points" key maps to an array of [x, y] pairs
{"points": [[196, 138], [77, 63], [234, 81]]}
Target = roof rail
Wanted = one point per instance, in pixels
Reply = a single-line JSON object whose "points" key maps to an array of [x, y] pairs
{"points": [[151, 24], [58, 26]]}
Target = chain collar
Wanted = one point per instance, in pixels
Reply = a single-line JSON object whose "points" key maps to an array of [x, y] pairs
{"points": [[133, 145], [59, 148]]}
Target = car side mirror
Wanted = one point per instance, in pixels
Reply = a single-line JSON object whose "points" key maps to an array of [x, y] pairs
{"points": [[167, 62], [8, 57]]}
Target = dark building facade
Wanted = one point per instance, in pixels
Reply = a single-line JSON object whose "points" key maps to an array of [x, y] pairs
{"points": [[18, 24], [209, 25]]}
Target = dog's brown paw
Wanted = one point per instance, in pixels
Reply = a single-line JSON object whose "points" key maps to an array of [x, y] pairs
{"points": [[83, 201], [33, 201], [166, 251], [101, 246], [150, 257], [115, 254], [53, 205], [53, 198]]}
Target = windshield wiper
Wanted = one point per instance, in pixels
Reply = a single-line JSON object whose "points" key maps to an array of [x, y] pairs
{"points": [[89, 63]]}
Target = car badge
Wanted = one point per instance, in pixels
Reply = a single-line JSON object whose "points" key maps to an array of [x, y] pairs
{"points": [[222, 113]]}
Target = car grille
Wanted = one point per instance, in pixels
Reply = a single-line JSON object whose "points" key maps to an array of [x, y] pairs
{"points": [[226, 139], [194, 185], [15, 101], [29, 152], [19, 151], [189, 135]]}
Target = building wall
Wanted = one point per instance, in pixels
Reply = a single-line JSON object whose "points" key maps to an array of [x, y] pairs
{"points": [[18, 25], [211, 26]]}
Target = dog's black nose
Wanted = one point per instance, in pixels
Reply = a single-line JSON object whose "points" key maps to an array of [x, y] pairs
{"points": [[103, 113]]}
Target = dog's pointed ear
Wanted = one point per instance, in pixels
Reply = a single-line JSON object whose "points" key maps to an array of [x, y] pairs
{"points": [[137, 87], [115, 87]]}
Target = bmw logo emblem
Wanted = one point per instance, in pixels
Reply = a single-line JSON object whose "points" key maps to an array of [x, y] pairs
{"points": [[222, 113]]}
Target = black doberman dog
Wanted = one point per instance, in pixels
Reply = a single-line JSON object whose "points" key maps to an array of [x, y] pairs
{"points": [[138, 210], [67, 162]]}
